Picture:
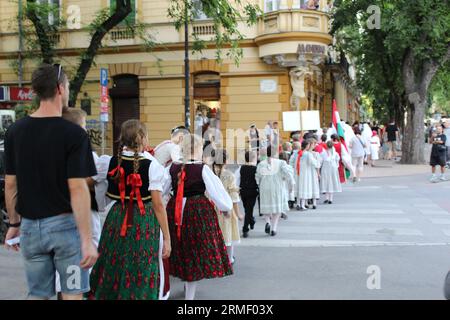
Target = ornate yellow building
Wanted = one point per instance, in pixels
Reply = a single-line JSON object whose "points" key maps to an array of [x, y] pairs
{"points": [[287, 65]]}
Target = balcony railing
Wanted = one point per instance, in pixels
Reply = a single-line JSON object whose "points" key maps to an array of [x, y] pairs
{"points": [[121, 34]]}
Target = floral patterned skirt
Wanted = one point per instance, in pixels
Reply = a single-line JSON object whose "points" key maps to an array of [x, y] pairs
{"points": [[128, 267], [200, 253]]}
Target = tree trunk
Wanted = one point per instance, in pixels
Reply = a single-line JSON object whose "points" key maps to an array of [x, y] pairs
{"points": [[413, 138]]}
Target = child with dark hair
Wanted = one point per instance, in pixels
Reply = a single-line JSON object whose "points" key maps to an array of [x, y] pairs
{"points": [[248, 189]]}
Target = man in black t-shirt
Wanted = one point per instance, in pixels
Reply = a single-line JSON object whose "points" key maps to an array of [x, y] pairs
{"points": [[392, 138], [47, 161], [438, 153]]}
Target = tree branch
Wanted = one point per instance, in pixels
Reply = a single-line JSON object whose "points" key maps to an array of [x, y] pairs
{"points": [[41, 32], [123, 9]]}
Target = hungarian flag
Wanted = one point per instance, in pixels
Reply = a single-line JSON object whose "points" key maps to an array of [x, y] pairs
{"points": [[337, 125]]}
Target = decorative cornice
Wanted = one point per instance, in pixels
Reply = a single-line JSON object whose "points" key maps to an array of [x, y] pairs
{"points": [[324, 38]]}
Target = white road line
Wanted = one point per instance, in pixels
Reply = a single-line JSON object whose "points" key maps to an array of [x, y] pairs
{"points": [[299, 218], [360, 211], [434, 212], [399, 187], [278, 243], [440, 221], [350, 231]]}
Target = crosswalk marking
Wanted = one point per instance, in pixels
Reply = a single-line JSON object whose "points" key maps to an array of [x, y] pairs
{"points": [[375, 220], [349, 231], [440, 221], [277, 243], [434, 212], [399, 187], [359, 211]]}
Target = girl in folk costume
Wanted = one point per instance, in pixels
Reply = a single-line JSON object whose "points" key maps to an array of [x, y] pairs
{"points": [[329, 174], [269, 176], [228, 221], [132, 245], [344, 161], [309, 178], [294, 163], [375, 145], [199, 251]]}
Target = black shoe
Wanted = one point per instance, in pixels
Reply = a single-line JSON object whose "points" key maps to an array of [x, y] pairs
{"points": [[284, 216], [260, 215], [314, 207], [273, 233], [306, 206], [252, 225], [326, 201], [298, 208], [330, 202], [245, 234], [267, 228]]}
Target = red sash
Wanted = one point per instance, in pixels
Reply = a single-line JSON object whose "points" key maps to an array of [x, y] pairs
{"points": [[179, 202], [299, 156]]}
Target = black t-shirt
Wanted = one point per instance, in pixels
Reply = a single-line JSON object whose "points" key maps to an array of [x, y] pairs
{"points": [[391, 132], [439, 148], [43, 153]]}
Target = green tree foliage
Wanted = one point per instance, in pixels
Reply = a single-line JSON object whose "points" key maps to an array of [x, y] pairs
{"points": [[397, 61]]}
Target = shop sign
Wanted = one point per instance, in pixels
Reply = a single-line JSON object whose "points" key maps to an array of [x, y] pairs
{"points": [[268, 86], [310, 48], [20, 94]]}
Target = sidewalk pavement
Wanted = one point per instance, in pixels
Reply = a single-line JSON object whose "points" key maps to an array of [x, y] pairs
{"points": [[391, 168]]}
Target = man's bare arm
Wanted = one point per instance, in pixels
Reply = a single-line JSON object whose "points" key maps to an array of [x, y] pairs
{"points": [[11, 198]]}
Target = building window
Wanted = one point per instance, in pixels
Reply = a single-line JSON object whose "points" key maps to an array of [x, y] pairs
{"points": [[131, 18], [54, 9], [271, 5]]}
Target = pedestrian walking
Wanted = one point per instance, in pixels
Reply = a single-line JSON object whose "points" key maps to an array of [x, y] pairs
{"points": [[438, 154], [270, 175], [329, 173], [47, 162], [169, 151], [309, 187], [447, 142], [198, 247], [135, 237], [357, 145], [392, 136], [249, 190], [228, 220]]}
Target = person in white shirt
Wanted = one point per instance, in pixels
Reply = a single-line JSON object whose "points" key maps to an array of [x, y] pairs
{"points": [[169, 151], [358, 144]]}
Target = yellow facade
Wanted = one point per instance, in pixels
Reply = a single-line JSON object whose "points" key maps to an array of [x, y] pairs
{"points": [[284, 39]]}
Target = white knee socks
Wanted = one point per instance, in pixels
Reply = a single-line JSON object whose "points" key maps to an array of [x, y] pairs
{"points": [[275, 219], [190, 288], [230, 250]]}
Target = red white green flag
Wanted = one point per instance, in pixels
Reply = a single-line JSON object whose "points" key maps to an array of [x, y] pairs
{"points": [[337, 125]]}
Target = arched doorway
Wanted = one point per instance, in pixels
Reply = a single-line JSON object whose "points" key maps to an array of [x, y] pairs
{"points": [[206, 100], [125, 102]]}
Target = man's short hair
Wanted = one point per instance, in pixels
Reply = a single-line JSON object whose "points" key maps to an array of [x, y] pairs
{"points": [[179, 129], [44, 80], [74, 115]]}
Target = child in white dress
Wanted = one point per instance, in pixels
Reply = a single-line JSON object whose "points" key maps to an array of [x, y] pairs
{"points": [[309, 178], [375, 145], [329, 174], [270, 175]]}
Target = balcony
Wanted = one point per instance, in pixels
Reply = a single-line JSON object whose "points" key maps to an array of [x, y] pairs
{"points": [[287, 36]]}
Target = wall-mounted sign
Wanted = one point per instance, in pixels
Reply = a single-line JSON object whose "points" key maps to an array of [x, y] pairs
{"points": [[310, 48], [301, 120], [268, 86], [104, 99], [20, 94]]}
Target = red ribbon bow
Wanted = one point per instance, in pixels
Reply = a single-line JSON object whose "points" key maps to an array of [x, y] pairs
{"points": [[112, 173], [179, 202], [134, 180]]}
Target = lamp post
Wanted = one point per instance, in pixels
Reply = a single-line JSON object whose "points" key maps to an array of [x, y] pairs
{"points": [[187, 113]]}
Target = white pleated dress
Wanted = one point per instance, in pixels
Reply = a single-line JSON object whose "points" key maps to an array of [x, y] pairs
{"points": [[271, 178], [309, 187], [329, 173]]}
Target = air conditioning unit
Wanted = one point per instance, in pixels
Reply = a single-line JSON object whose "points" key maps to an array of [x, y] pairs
{"points": [[4, 93]]}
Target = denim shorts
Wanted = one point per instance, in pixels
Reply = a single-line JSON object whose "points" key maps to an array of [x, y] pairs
{"points": [[49, 245]]}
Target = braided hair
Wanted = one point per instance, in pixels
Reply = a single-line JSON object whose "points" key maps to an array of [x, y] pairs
{"points": [[132, 135]]}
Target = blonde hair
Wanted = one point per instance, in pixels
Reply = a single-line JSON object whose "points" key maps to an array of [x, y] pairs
{"points": [[191, 146], [74, 115]]}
